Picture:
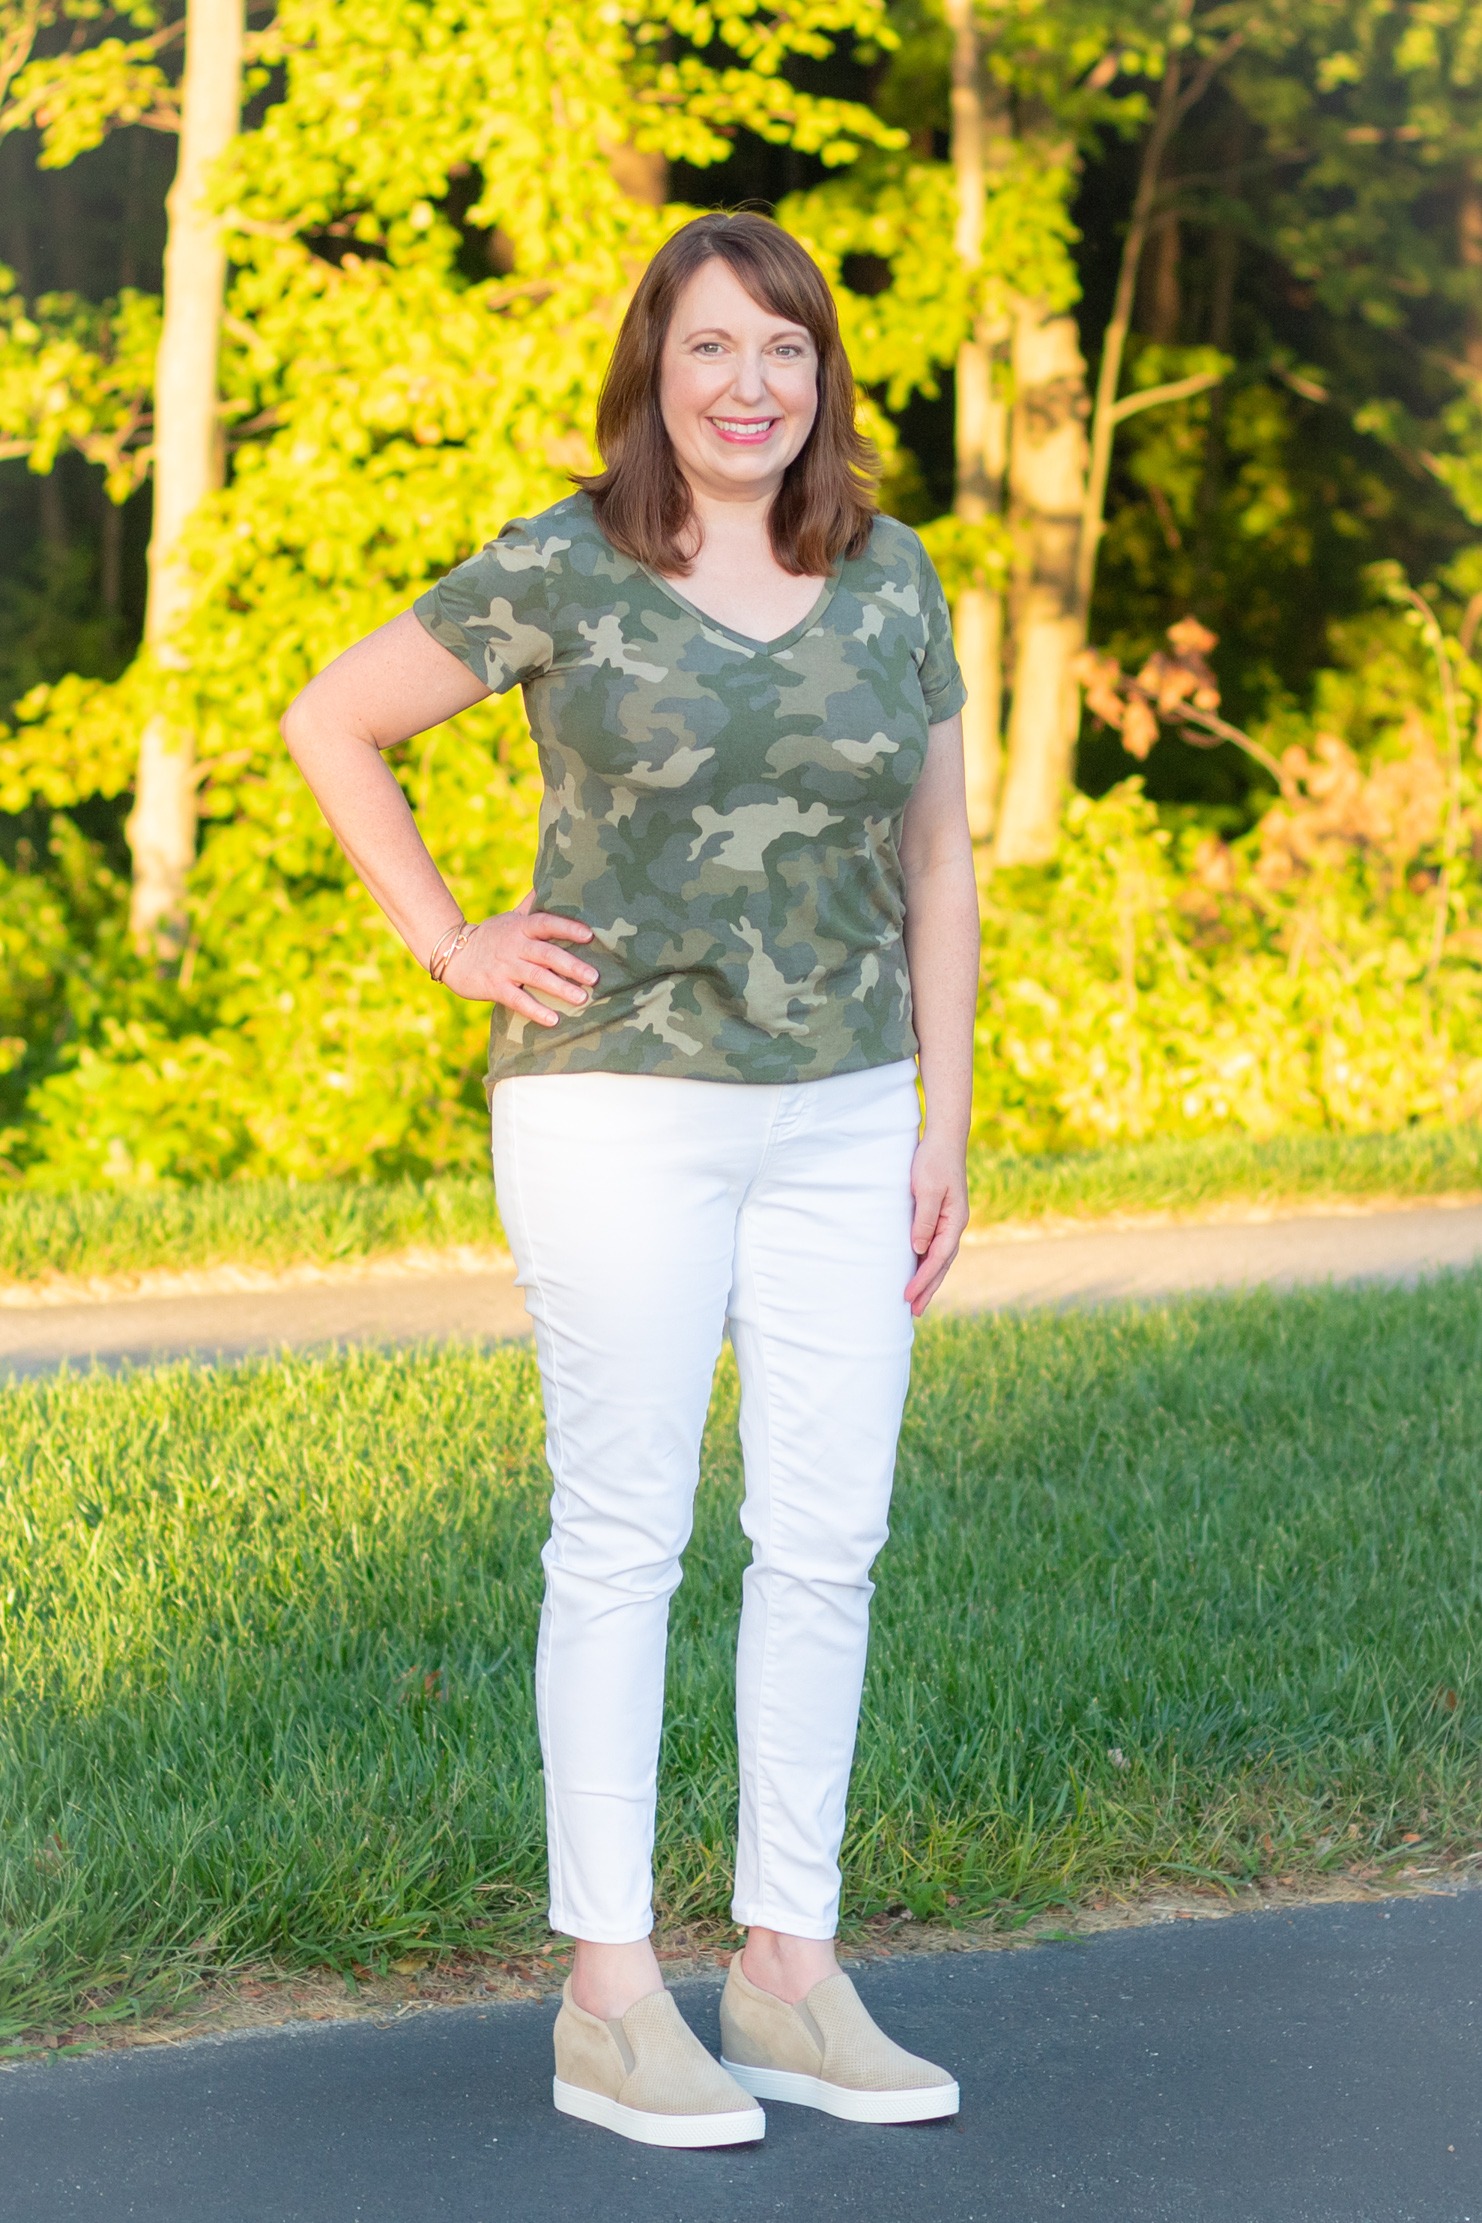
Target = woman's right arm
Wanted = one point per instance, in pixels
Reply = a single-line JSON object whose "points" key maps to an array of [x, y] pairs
{"points": [[396, 683]]}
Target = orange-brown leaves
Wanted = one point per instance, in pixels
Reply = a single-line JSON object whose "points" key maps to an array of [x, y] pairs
{"points": [[1170, 681], [1334, 806]]}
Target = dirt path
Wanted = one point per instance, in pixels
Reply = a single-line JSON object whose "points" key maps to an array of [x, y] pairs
{"points": [[1090, 1266]]}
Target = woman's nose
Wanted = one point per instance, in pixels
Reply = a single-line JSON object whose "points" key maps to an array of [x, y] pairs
{"points": [[749, 382]]}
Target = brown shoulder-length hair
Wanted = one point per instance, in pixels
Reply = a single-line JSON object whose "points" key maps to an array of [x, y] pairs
{"points": [[826, 503]]}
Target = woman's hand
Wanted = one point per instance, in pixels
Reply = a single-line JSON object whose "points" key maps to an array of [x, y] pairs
{"points": [[515, 952], [939, 1188]]}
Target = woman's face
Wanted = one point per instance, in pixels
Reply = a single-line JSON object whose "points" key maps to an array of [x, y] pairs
{"points": [[738, 387]]}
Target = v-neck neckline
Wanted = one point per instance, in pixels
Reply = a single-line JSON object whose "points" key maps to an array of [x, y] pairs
{"points": [[754, 647]]}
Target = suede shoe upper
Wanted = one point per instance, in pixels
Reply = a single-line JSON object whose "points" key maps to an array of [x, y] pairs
{"points": [[648, 2059], [831, 2035]]}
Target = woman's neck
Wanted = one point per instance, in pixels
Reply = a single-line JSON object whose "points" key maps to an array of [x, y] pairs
{"points": [[728, 521], [734, 575]]}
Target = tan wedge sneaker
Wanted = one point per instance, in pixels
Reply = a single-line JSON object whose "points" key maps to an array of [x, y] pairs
{"points": [[647, 2076], [829, 2052]]}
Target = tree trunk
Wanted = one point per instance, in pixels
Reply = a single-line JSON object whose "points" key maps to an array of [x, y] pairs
{"points": [[1161, 312], [110, 553], [981, 433], [1061, 482], [1048, 484], [187, 457]]}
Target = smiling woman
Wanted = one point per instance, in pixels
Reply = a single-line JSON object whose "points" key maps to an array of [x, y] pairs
{"points": [[754, 830], [730, 372]]}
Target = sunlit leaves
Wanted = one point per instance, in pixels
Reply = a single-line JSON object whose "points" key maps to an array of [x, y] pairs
{"points": [[72, 375], [902, 214], [73, 100]]}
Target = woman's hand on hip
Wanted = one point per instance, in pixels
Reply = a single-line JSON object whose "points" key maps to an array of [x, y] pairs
{"points": [[516, 956], [939, 1191]]}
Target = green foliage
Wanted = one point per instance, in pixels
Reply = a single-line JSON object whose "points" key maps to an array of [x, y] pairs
{"points": [[74, 376], [902, 215], [1315, 973], [399, 411], [1329, 86], [34, 947], [968, 555], [1316, 229], [1321, 970], [1459, 464], [74, 99], [1188, 1587], [303, 1040], [59, 946], [430, 247], [1159, 982], [73, 738]]}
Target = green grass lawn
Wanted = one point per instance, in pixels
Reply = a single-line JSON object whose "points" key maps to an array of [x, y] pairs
{"points": [[267, 1223], [1222, 1169], [281, 1223], [257, 1223], [1180, 1592]]}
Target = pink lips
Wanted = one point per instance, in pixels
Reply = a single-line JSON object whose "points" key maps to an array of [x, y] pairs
{"points": [[757, 430]]}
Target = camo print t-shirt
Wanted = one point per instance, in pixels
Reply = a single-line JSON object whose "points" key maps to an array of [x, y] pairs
{"points": [[723, 813]]}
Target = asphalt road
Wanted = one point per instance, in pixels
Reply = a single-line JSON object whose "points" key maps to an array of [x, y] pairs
{"points": [[1317, 2066], [1096, 1266]]}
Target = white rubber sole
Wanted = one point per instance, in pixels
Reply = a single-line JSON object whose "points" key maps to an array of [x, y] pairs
{"points": [[926, 2104], [739, 2126]]}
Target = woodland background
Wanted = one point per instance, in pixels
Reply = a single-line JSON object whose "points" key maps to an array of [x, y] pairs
{"points": [[1164, 317]]}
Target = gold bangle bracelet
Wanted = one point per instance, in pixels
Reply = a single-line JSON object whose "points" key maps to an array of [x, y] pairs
{"points": [[464, 934], [437, 962]]}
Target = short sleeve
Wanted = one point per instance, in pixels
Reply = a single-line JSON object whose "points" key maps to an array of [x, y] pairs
{"points": [[495, 612], [941, 680]]}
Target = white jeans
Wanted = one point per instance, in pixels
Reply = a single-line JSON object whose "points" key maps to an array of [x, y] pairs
{"points": [[645, 1212]]}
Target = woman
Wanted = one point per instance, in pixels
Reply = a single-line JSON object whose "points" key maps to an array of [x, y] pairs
{"points": [[753, 912]]}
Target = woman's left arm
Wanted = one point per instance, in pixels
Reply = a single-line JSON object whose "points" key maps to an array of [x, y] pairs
{"points": [[942, 951]]}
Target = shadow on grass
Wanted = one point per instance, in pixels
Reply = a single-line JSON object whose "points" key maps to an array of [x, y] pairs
{"points": [[1177, 1592]]}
